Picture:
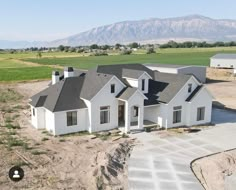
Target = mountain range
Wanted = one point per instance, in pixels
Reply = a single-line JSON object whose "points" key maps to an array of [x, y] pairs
{"points": [[154, 30]]}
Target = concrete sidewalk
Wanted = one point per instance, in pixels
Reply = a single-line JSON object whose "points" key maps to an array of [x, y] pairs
{"points": [[164, 163]]}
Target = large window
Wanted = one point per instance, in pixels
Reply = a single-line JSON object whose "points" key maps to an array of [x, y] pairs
{"points": [[200, 113], [71, 118], [143, 84], [104, 114], [177, 114], [112, 88]]}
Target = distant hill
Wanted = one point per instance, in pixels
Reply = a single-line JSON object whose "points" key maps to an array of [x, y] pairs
{"points": [[155, 30], [194, 28]]}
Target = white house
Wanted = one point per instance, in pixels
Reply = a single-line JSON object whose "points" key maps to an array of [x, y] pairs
{"points": [[223, 60], [127, 96]]}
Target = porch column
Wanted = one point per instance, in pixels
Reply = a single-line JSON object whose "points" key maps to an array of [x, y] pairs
{"points": [[140, 117], [127, 117]]}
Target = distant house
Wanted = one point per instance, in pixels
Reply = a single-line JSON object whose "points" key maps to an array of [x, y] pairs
{"points": [[198, 71], [226, 60], [128, 96]]}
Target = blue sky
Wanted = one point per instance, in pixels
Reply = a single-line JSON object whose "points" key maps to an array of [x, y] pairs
{"points": [[53, 19]]}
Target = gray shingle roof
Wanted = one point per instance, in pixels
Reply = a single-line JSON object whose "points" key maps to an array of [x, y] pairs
{"points": [[130, 73], [117, 70], [93, 83], [170, 85], [224, 56], [68, 93], [64, 95], [126, 93]]}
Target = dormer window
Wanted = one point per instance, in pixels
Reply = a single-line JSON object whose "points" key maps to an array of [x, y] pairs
{"points": [[189, 88], [112, 88], [143, 84]]}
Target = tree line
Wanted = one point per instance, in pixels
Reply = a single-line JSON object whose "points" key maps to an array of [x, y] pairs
{"points": [[188, 44]]}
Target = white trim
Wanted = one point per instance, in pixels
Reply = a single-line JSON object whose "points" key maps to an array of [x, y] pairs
{"points": [[106, 85], [139, 93]]}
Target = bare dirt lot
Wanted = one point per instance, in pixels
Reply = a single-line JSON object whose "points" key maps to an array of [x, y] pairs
{"points": [[78, 161], [213, 171], [222, 85]]}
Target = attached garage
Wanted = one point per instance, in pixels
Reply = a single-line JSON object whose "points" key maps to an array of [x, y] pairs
{"points": [[226, 60], [198, 71]]}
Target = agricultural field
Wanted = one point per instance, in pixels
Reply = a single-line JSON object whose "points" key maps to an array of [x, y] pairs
{"points": [[26, 66]]}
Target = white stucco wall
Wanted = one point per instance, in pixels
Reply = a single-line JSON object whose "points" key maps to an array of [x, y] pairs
{"points": [[105, 98], [133, 82], [223, 63], [38, 120], [197, 102], [151, 113], [179, 100], [50, 121], [146, 78], [61, 122], [136, 100]]}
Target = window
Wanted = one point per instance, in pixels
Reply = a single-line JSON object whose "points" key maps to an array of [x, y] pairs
{"points": [[135, 111], [189, 88], [143, 84], [71, 118], [200, 113], [33, 112], [112, 88], [177, 114], [104, 114]]}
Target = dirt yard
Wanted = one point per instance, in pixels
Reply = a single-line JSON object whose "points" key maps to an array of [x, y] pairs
{"points": [[213, 171], [78, 161], [222, 85]]}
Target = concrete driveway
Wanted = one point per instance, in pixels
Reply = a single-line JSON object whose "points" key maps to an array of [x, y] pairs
{"points": [[164, 163]]}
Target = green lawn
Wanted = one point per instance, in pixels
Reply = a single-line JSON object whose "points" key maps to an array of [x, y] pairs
{"points": [[183, 58], [25, 73], [9, 63]]}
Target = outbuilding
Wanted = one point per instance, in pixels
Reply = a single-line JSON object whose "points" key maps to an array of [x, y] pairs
{"points": [[198, 71], [224, 60]]}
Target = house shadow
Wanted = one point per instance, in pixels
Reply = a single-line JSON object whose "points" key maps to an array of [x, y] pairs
{"points": [[222, 114], [210, 81]]}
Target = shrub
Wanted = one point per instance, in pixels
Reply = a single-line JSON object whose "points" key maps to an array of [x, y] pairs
{"points": [[14, 142], [45, 139], [150, 50], [126, 52], [10, 126], [36, 152]]}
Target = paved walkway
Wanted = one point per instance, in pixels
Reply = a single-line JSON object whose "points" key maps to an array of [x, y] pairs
{"points": [[164, 163]]}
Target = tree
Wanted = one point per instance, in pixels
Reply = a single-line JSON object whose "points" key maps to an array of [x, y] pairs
{"points": [[117, 46], [39, 54], [61, 48], [134, 45], [94, 46], [126, 52], [150, 50]]}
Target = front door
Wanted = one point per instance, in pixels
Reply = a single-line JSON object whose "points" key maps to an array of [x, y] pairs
{"points": [[121, 115]]}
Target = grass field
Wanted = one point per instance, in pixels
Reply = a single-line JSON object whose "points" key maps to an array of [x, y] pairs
{"points": [[14, 68], [182, 57], [25, 73]]}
